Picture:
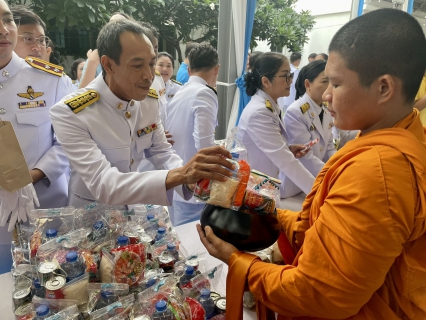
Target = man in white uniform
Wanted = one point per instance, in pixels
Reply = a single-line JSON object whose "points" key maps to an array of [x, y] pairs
{"points": [[106, 127], [28, 88], [193, 118]]}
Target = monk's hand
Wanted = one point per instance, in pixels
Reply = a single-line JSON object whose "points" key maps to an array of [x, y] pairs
{"points": [[216, 247], [299, 150]]}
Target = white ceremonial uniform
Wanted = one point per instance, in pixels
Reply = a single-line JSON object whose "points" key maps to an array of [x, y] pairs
{"points": [[192, 119], [172, 87], [303, 124], [106, 139], [160, 87], [26, 94], [285, 102], [263, 134]]}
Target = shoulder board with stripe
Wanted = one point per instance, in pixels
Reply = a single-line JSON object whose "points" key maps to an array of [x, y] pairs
{"points": [[152, 93], [82, 101], [45, 66], [214, 90], [157, 73], [175, 81], [305, 107]]}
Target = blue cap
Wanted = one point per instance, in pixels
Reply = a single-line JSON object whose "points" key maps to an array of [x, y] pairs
{"points": [[171, 246], [98, 225], [123, 240], [36, 283], [235, 155], [161, 230], [51, 233], [150, 216], [42, 310], [106, 294], [71, 256], [189, 270], [205, 293], [150, 282], [161, 305]]}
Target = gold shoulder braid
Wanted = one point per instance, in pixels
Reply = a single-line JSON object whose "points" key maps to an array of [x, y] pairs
{"points": [[82, 101], [175, 81], [305, 107], [157, 73], [45, 66], [152, 93], [269, 105]]}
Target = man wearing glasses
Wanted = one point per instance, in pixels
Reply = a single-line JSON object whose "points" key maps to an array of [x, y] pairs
{"points": [[28, 88]]}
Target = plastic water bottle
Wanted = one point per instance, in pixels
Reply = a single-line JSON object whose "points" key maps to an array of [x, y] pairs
{"points": [[106, 298], [37, 289], [51, 233], [171, 249], [73, 266], [122, 241], [99, 230], [186, 278], [150, 283], [150, 216], [207, 302], [161, 233], [161, 311], [42, 312]]}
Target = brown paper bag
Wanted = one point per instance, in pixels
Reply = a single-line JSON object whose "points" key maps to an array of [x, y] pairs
{"points": [[14, 173]]}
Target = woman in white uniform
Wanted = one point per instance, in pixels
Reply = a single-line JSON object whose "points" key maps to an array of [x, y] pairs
{"points": [[165, 66], [307, 119], [261, 128]]}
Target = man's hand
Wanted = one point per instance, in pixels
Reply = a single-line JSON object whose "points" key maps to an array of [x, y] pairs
{"points": [[299, 150], [93, 55], [207, 163], [169, 137], [216, 247], [37, 175]]}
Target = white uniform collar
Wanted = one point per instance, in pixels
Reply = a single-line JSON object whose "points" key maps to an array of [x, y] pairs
{"points": [[197, 79], [108, 96], [11, 68], [313, 103], [266, 96]]}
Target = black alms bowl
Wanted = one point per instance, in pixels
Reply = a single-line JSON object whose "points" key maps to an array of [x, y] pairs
{"points": [[247, 232]]}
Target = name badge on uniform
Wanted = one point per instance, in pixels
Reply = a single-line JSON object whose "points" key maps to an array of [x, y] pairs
{"points": [[32, 104], [147, 130]]}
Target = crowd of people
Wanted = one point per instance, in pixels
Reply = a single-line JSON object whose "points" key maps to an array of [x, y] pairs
{"points": [[122, 131]]}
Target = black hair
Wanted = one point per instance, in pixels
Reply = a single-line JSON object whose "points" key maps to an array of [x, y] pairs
{"points": [[74, 68], [125, 15], [189, 47], [312, 56], [55, 56], [150, 27], [309, 72], [266, 65], [108, 42], [27, 16], [323, 55], [168, 55], [384, 41], [203, 57], [253, 57], [295, 56]]}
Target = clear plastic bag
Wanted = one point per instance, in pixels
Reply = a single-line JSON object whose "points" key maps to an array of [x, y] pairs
{"points": [[122, 307], [111, 291], [209, 279], [70, 313]]}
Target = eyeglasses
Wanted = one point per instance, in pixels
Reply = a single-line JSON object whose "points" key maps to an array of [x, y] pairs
{"points": [[11, 22], [31, 40], [287, 76]]}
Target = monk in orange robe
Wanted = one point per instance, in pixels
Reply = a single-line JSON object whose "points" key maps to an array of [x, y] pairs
{"points": [[360, 240]]}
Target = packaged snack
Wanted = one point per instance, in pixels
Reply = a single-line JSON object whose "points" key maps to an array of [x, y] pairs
{"points": [[129, 263]]}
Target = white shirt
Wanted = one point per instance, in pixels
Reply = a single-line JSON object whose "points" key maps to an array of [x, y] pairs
{"points": [[105, 143], [160, 87], [192, 119], [172, 87], [263, 134]]}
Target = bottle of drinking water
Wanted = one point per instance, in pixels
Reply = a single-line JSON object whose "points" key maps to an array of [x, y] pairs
{"points": [[207, 302], [161, 233], [42, 312], [73, 266], [186, 278], [161, 311], [122, 241]]}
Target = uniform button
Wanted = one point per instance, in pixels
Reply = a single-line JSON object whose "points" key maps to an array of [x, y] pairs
{"points": [[321, 149], [120, 105], [312, 114], [132, 103], [133, 161], [5, 73], [128, 114], [2, 111]]}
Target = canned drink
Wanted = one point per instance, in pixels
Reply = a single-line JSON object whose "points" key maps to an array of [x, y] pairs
{"points": [[21, 296], [220, 305], [45, 271], [214, 295], [54, 286], [23, 311]]}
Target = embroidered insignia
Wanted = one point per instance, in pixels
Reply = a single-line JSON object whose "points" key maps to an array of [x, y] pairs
{"points": [[305, 107], [32, 104], [152, 93], [325, 104], [45, 66], [162, 92], [82, 101], [157, 73], [5, 73], [214, 89], [312, 127], [175, 81], [331, 125], [146, 130], [30, 95], [269, 105]]}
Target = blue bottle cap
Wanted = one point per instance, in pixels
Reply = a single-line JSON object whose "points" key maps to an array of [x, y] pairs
{"points": [[106, 294], [235, 155], [189, 270], [161, 306], [42, 310], [171, 246], [98, 225], [150, 216], [36, 283], [51, 233], [123, 240], [205, 293], [71, 256], [150, 282], [161, 230]]}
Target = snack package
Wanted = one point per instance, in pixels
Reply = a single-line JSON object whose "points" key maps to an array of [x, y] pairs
{"points": [[122, 307], [70, 313], [104, 294]]}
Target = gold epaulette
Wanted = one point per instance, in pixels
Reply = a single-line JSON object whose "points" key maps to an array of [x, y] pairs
{"points": [[305, 107], [175, 81], [45, 66], [152, 93], [268, 105], [157, 73], [82, 101]]}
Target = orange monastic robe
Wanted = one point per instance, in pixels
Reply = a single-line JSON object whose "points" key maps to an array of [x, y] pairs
{"points": [[364, 251]]}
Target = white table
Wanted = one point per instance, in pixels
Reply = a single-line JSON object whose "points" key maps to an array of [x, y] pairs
{"points": [[190, 240]]}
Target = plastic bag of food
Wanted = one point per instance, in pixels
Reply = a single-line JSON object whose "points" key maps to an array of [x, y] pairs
{"points": [[104, 294], [54, 305], [70, 313], [76, 289], [209, 279], [264, 185], [122, 307]]}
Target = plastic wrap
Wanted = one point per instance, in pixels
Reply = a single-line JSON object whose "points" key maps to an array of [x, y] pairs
{"points": [[95, 290]]}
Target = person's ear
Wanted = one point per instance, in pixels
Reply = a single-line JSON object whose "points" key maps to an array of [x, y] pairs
{"points": [[189, 71], [307, 84], [265, 82], [108, 64], [387, 86], [217, 70]]}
